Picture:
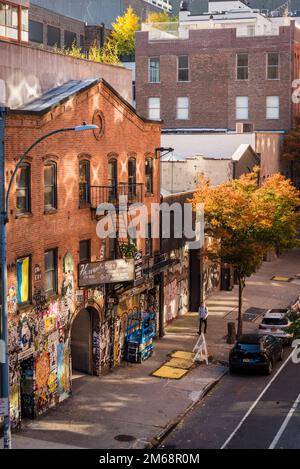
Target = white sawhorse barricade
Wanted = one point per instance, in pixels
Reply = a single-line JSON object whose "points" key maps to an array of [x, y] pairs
{"points": [[200, 350]]}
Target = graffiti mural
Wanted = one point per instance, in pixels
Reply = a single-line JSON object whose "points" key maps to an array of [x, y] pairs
{"points": [[184, 294], [42, 370], [171, 301], [52, 350], [15, 406], [12, 303], [176, 287], [104, 345], [96, 349], [211, 278], [63, 370]]}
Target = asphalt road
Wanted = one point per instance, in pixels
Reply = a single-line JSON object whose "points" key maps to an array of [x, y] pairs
{"points": [[245, 412]]}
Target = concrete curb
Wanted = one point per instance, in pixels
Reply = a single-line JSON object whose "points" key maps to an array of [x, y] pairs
{"points": [[157, 440]]}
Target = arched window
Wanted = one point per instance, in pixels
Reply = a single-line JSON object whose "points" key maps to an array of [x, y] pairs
{"points": [[149, 175], [23, 189], [132, 177], [113, 179], [84, 182], [50, 186]]}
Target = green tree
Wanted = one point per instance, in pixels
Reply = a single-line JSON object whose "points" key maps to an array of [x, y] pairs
{"points": [[122, 37], [249, 219]]}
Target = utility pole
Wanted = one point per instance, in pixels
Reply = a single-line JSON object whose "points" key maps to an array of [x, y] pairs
{"points": [[4, 358]]}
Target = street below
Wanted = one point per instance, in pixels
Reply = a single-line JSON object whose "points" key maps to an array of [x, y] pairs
{"points": [[246, 411]]}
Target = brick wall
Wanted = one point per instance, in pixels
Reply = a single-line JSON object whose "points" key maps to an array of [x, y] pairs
{"points": [[26, 72], [95, 34], [296, 67], [213, 87]]}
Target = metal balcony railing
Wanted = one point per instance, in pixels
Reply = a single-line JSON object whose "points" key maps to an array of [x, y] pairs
{"points": [[112, 194]]}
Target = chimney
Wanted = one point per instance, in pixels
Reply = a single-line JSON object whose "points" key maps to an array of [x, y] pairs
{"points": [[184, 12]]}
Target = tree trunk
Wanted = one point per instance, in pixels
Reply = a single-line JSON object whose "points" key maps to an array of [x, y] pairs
{"points": [[240, 317], [231, 338]]}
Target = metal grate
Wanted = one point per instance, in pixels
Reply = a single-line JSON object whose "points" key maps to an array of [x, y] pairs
{"points": [[253, 313]]}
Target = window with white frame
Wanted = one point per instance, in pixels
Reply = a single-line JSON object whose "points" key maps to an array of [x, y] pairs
{"points": [[154, 70], [183, 108], [273, 104], [251, 30], [242, 108], [154, 108]]}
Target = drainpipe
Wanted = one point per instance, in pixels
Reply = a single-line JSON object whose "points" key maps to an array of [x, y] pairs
{"points": [[4, 358]]}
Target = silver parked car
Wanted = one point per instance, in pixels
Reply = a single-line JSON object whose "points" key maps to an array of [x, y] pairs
{"points": [[276, 323]]}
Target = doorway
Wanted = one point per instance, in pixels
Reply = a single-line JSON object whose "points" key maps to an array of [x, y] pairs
{"points": [[195, 280], [82, 341], [27, 388]]}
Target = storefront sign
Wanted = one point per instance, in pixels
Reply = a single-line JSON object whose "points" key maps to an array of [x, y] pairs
{"points": [[97, 273]]}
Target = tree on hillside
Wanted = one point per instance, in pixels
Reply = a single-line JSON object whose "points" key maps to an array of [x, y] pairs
{"points": [[123, 35], [249, 220]]}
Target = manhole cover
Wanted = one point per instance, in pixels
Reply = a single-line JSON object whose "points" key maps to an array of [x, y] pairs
{"points": [[125, 438]]}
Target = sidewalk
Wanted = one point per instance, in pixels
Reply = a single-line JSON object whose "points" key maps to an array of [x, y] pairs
{"points": [[129, 408]]}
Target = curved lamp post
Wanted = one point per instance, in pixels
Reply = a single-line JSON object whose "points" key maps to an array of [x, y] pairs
{"points": [[4, 356], [160, 153]]}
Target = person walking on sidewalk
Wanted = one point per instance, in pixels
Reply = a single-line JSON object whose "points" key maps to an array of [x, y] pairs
{"points": [[203, 316]]}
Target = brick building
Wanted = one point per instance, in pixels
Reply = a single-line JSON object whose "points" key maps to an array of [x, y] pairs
{"points": [[224, 72], [54, 324], [103, 11], [14, 20], [50, 29], [230, 71]]}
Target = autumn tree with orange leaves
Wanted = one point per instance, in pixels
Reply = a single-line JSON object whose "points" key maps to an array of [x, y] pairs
{"points": [[249, 219]]}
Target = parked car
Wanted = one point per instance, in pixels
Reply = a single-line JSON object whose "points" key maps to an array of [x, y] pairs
{"points": [[256, 352], [276, 323]]}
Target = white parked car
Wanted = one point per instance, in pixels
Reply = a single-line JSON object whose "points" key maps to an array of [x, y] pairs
{"points": [[275, 323]]}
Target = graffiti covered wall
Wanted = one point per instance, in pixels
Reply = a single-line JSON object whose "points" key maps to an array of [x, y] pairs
{"points": [[176, 287]]}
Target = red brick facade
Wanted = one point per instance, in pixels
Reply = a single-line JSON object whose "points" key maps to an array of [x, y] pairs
{"points": [[40, 330], [213, 85]]}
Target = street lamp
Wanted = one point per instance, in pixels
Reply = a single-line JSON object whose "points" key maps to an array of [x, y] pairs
{"points": [[4, 356], [160, 153], [165, 151]]}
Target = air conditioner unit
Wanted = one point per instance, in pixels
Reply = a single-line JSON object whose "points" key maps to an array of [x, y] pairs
{"points": [[244, 128]]}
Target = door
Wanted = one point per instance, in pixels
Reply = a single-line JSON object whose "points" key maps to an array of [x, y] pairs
{"points": [[27, 388], [81, 342]]}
